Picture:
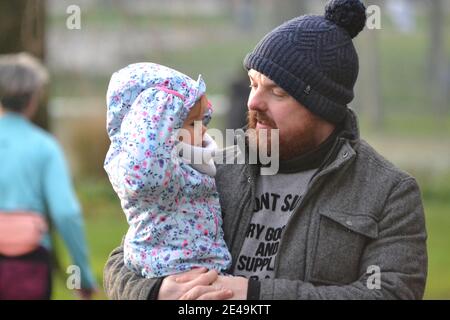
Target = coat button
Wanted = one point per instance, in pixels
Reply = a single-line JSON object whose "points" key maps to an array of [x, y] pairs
{"points": [[349, 223], [249, 180], [345, 154]]}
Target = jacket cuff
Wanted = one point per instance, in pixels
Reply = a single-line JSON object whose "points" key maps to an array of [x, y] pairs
{"points": [[253, 289], [154, 291]]}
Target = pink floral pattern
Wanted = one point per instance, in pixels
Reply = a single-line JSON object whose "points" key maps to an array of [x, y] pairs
{"points": [[173, 211]]}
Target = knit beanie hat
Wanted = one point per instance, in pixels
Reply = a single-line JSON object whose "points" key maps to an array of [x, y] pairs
{"points": [[313, 58]]}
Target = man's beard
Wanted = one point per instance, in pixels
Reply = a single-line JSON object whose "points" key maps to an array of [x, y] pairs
{"points": [[292, 144]]}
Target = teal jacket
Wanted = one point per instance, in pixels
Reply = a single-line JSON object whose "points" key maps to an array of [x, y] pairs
{"points": [[34, 177]]}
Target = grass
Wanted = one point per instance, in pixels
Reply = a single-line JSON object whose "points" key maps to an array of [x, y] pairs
{"points": [[105, 227], [408, 125], [438, 226], [77, 85], [405, 88], [205, 60], [194, 61], [436, 195]]}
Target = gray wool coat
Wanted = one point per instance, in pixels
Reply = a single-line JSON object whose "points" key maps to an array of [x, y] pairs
{"points": [[359, 215]]}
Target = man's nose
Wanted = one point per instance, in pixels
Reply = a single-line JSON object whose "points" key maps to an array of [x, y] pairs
{"points": [[256, 102]]}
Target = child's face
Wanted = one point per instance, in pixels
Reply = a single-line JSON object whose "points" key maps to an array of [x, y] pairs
{"points": [[194, 123]]}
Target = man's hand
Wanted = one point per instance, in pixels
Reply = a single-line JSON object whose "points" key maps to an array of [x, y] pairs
{"points": [[191, 284], [239, 285], [225, 287]]}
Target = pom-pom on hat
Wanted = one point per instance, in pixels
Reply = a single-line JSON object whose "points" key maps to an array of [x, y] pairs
{"points": [[313, 58]]}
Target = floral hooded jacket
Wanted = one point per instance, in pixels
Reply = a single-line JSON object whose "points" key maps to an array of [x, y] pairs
{"points": [[173, 210]]}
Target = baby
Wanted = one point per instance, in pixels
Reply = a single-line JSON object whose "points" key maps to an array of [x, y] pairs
{"points": [[171, 204]]}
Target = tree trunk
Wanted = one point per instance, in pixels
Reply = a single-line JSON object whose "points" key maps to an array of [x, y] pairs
{"points": [[22, 25]]}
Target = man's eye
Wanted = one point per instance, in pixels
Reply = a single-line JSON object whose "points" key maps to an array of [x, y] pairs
{"points": [[253, 85], [279, 93]]}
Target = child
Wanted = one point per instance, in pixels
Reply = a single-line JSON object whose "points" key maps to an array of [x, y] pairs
{"points": [[172, 207]]}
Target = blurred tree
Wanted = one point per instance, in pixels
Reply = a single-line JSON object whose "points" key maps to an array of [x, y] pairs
{"points": [[22, 28], [437, 65]]}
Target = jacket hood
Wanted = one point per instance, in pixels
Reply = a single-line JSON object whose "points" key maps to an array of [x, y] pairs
{"points": [[127, 84]]}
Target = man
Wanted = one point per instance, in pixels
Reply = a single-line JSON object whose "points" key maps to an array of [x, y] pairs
{"points": [[338, 221]]}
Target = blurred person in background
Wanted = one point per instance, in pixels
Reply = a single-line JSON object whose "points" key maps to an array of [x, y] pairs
{"points": [[35, 190]]}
